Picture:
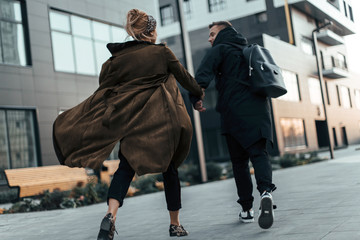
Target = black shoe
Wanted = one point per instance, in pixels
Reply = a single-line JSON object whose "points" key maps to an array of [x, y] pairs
{"points": [[177, 231], [107, 228], [266, 217]]}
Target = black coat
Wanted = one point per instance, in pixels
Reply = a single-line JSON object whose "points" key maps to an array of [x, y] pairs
{"points": [[244, 115]]}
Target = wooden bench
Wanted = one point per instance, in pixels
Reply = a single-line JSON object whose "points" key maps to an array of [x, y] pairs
{"points": [[34, 181]]}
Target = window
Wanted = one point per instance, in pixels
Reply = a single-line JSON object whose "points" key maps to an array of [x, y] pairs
{"points": [[167, 15], [345, 97], [79, 44], [307, 46], [261, 17], [293, 131], [345, 8], [216, 5], [338, 95], [357, 98], [12, 37], [187, 9], [340, 61], [315, 91], [18, 139], [351, 13], [292, 86], [327, 93]]}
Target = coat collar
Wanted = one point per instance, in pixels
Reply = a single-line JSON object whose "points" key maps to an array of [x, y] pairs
{"points": [[229, 35], [117, 47]]}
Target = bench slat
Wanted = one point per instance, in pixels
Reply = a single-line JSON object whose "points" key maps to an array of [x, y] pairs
{"points": [[34, 181]]}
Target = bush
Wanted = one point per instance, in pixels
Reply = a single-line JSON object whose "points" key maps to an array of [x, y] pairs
{"points": [[189, 173], [8, 196], [102, 191], [145, 184], [26, 205], [214, 171], [50, 201], [288, 160]]}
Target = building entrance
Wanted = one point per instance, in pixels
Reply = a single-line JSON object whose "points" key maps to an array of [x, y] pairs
{"points": [[322, 134]]}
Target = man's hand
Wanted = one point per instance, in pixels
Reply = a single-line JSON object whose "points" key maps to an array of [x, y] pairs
{"points": [[199, 106]]}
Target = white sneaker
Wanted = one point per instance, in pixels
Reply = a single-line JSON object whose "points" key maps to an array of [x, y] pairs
{"points": [[266, 214], [247, 216]]}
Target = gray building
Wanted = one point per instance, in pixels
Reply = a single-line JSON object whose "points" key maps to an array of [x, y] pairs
{"points": [[51, 54], [285, 28]]}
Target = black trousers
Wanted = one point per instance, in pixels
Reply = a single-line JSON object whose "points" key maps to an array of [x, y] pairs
{"points": [[240, 162], [124, 175]]}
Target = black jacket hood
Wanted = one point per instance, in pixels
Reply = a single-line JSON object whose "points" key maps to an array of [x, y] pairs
{"points": [[116, 47], [230, 35]]}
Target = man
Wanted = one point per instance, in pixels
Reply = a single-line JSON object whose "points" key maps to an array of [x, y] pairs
{"points": [[245, 118]]}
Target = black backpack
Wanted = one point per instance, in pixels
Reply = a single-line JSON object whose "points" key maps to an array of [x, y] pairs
{"points": [[265, 77]]}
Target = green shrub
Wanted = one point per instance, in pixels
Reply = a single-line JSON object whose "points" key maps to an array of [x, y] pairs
{"points": [[145, 184], [26, 205], [102, 191], [189, 173], [288, 160], [214, 171], [69, 203], [52, 200]]}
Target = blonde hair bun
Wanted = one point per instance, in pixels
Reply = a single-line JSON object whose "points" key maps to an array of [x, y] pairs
{"points": [[137, 25]]}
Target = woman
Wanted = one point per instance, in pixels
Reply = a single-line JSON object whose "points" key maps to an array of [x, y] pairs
{"points": [[139, 104]]}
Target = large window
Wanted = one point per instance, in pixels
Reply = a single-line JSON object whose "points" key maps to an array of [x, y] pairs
{"points": [[315, 91], [345, 97], [18, 139], [79, 44], [357, 98], [292, 86], [12, 37], [216, 5], [293, 131], [167, 15]]}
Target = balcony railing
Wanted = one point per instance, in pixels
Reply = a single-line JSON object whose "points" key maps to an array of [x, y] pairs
{"points": [[334, 68]]}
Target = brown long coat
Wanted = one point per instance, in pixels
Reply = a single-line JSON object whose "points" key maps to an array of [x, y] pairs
{"points": [[139, 103]]}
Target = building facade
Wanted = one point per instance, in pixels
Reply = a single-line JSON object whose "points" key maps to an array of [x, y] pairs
{"points": [[51, 53], [284, 27]]}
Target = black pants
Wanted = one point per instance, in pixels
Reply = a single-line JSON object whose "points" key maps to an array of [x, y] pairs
{"points": [[262, 167], [124, 175]]}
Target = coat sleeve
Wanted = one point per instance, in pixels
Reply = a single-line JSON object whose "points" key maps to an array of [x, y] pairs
{"points": [[207, 69], [181, 74]]}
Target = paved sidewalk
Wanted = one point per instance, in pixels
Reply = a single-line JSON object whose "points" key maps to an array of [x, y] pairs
{"points": [[315, 201]]}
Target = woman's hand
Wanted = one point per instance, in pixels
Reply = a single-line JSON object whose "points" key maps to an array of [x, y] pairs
{"points": [[199, 106]]}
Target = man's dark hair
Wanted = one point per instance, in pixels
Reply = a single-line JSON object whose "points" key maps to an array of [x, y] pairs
{"points": [[221, 23]]}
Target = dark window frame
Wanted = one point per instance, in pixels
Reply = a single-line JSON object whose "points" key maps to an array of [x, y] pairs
{"points": [[345, 8], [36, 131], [25, 25], [215, 3], [172, 16], [290, 148]]}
